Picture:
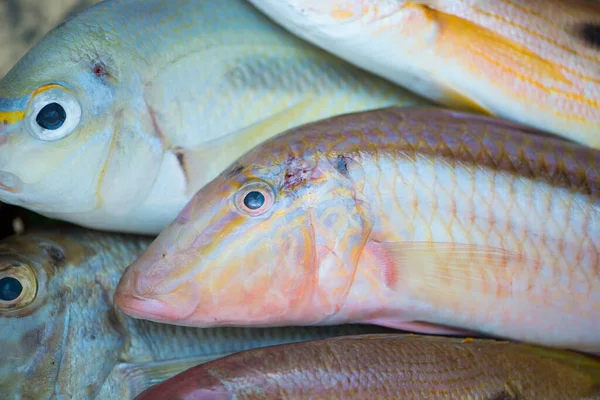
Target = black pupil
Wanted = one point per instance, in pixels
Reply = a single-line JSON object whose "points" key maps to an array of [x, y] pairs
{"points": [[254, 200], [10, 289], [51, 117]]}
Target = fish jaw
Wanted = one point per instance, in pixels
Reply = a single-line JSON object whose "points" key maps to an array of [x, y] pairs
{"points": [[188, 276], [215, 266]]}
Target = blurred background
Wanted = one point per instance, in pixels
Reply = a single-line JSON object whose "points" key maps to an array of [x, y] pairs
{"points": [[22, 24]]}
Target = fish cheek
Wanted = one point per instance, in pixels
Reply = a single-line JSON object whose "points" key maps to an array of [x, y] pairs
{"points": [[272, 282], [94, 347], [38, 352], [134, 160]]}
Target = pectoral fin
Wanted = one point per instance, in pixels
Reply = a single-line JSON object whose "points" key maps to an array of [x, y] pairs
{"points": [[204, 163], [445, 272], [448, 278], [440, 283], [141, 376]]}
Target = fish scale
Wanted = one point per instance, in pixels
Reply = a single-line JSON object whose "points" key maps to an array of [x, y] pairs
{"points": [[399, 367], [416, 218], [536, 62], [72, 341], [169, 93]]}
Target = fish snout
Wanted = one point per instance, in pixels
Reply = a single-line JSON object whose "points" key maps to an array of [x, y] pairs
{"points": [[145, 308], [141, 295]]}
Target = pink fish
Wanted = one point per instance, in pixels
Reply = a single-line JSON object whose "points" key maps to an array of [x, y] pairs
{"points": [[419, 218]]}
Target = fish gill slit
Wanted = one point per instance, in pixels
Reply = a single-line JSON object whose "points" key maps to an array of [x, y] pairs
{"points": [[103, 171], [156, 126], [62, 356], [181, 159]]}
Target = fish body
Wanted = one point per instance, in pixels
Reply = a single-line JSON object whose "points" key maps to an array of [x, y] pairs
{"points": [[62, 337], [132, 106], [418, 218], [536, 62], [392, 366]]}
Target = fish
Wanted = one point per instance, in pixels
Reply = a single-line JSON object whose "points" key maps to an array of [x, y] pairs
{"points": [[535, 62], [62, 336], [389, 366], [419, 218], [132, 106]]}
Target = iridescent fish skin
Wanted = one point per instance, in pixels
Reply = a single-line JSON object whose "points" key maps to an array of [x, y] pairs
{"points": [[536, 62], [132, 106], [410, 218], [63, 337], [392, 366]]}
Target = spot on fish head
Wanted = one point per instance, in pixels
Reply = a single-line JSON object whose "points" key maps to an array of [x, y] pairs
{"points": [[590, 34], [298, 171]]}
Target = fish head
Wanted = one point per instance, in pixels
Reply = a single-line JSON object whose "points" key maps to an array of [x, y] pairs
{"points": [[61, 107], [274, 240], [60, 333]]}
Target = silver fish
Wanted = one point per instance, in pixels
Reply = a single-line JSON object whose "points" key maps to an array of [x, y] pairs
{"points": [[132, 106], [62, 338]]}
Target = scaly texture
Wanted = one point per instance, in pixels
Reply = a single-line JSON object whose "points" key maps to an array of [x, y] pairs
{"points": [[533, 61], [64, 333], [389, 367], [414, 218], [158, 98]]}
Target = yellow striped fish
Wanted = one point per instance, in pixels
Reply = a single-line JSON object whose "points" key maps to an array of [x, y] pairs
{"points": [[533, 61]]}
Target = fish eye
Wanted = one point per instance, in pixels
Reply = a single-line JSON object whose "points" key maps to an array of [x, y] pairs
{"points": [[255, 198], [18, 286], [51, 117], [54, 114], [10, 288]]}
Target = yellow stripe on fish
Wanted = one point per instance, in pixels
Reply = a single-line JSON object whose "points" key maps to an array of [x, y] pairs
{"points": [[11, 117], [532, 61]]}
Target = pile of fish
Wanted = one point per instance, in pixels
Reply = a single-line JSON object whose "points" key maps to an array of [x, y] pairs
{"points": [[249, 198]]}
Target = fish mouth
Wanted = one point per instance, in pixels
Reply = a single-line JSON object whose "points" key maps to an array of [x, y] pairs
{"points": [[149, 309], [9, 182]]}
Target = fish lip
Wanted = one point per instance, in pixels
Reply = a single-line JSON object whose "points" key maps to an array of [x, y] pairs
{"points": [[149, 309], [9, 182]]}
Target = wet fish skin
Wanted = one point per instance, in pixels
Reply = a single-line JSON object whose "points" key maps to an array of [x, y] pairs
{"points": [[536, 62], [419, 218], [159, 97], [392, 366], [73, 343]]}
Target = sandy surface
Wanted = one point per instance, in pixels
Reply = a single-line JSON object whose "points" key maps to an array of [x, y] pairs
{"points": [[24, 22]]}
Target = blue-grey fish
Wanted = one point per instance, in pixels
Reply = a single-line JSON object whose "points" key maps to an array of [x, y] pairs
{"points": [[118, 116], [62, 337]]}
